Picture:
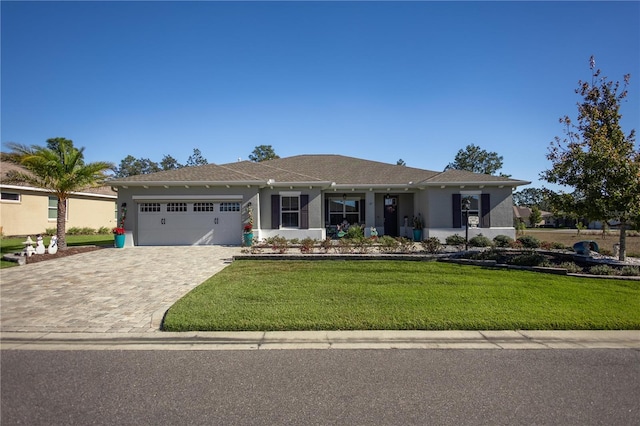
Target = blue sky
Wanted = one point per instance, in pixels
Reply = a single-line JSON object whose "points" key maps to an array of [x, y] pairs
{"points": [[374, 80]]}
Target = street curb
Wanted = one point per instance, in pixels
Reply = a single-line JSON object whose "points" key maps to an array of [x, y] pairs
{"points": [[286, 340]]}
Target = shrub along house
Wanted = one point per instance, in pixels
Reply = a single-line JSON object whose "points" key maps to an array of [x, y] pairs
{"points": [[307, 196]]}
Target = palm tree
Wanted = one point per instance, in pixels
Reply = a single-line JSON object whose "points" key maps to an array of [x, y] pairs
{"points": [[59, 168]]}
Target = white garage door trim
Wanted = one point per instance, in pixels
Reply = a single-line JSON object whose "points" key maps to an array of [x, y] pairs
{"points": [[207, 221]]}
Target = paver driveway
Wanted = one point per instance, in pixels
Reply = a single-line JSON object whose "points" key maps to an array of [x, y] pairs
{"points": [[108, 290]]}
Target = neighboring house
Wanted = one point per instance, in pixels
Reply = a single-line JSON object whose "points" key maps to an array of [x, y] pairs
{"points": [[307, 196], [522, 214], [26, 210]]}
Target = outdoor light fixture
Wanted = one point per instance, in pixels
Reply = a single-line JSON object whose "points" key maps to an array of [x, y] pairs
{"points": [[344, 197], [466, 206]]}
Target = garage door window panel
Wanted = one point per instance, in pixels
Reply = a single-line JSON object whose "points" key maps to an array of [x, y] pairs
{"points": [[203, 207], [149, 207], [176, 207], [229, 207]]}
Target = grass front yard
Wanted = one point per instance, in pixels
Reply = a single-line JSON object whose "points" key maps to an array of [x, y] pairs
{"points": [[398, 295]]}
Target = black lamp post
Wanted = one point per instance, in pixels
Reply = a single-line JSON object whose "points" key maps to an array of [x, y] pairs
{"points": [[466, 206]]}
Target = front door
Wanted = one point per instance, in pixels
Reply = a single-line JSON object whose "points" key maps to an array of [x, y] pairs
{"points": [[391, 215]]}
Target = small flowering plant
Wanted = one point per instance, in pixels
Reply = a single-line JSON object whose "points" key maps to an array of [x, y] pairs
{"points": [[118, 231], [248, 226]]}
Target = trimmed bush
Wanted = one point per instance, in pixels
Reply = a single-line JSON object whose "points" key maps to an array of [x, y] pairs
{"points": [[278, 244], [487, 255], [480, 241], [362, 245], [432, 245], [104, 230], [529, 241], [388, 244], [326, 244], [502, 241], [455, 240], [529, 259], [571, 267], [602, 270], [630, 271], [307, 244], [344, 246], [405, 245]]}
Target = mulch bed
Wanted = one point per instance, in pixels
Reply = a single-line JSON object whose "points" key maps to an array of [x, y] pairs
{"points": [[70, 251]]}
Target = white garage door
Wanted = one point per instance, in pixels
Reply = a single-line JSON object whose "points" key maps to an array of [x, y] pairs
{"points": [[189, 223]]}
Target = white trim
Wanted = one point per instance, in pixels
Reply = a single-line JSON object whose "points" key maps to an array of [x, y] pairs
{"points": [[9, 201], [290, 193], [470, 192], [187, 197], [34, 189]]}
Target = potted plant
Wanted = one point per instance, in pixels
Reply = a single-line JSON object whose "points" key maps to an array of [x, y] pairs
{"points": [[247, 230], [418, 224], [118, 234]]}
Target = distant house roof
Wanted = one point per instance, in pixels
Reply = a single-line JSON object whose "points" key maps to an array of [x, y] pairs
{"points": [[329, 170], [7, 167], [521, 212]]}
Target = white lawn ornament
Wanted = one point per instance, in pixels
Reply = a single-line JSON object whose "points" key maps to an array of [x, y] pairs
{"points": [[40, 245], [28, 247], [53, 245]]}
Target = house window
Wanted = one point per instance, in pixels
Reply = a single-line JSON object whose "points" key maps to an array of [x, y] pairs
{"points": [[176, 207], [474, 208], [342, 208], [203, 207], [229, 207], [10, 196], [290, 211], [149, 207], [53, 208]]}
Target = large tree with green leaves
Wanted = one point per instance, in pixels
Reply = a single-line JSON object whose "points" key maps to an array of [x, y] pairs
{"points": [[263, 153], [530, 197], [131, 166], [59, 168], [597, 159], [477, 160], [196, 159]]}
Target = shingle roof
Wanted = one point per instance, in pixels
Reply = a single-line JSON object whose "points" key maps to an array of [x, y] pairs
{"points": [[326, 169]]}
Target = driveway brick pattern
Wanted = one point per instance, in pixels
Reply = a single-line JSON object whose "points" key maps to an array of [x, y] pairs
{"points": [[105, 291]]}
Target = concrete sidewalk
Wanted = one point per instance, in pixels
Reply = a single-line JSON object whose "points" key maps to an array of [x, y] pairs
{"points": [[250, 340]]}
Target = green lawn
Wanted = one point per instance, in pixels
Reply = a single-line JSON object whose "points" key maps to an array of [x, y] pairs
{"points": [[359, 295], [13, 245]]}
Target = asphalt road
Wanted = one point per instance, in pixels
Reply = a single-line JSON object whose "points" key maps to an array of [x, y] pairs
{"points": [[320, 387]]}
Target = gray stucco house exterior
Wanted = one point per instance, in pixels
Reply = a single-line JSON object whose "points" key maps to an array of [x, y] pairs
{"points": [[307, 196]]}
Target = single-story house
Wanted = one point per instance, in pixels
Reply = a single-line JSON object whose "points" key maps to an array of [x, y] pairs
{"points": [[308, 196], [522, 214], [25, 210]]}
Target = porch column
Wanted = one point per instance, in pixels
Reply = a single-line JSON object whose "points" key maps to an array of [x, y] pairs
{"points": [[370, 209]]}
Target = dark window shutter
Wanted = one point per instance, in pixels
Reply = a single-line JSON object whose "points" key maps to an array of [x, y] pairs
{"points": [[457, 210], [363, 215], [485, 209], [304, 211], [275, 211]]}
